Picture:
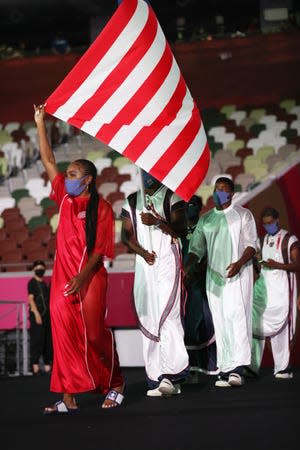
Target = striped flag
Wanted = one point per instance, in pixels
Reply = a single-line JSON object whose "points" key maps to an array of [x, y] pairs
{"points": [[128, 92]]}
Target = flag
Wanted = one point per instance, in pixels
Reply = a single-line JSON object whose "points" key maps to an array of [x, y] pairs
{"points": [[127, 91]]}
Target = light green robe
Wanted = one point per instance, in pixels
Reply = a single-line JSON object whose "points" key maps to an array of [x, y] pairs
{"points": [[224, 235]]}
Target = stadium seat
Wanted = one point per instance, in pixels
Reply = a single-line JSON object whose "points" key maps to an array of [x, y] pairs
{"points": [[243, 152], [106, 188], [130, 169], [296, 110], [121, 161], [216, 132], [27, 125], [278, 167], [285, 150], [19, 236], [257, 113], [264, 152], [238, 116], [245, 180], [228, 110], [114, 196], [234, 171], [101, 163], [255, 144], [50, 211], [12, 126], [14, 221], [10, 213], [19, 193], [5, 137], [272, 160], [13, 261], [295, 124], [235, 145], [42, 233], [128, 187], [94, 155], [29, 245], [247, 123], [230, 162], [54, 222], [6, 202], [257, 128], [108, 174], [7, 246], [40, 253], [268, 119], [289, 133], [121, 178], [288, 104], [36, 221]]}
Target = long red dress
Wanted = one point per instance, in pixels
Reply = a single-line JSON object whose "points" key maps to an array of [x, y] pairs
{"points": [[85, 358]]}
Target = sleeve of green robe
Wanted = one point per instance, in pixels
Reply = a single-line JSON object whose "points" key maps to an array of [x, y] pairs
{"points": [[197, 244]]}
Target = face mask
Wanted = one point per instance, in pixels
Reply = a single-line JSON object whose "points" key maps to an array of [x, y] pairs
{"points": [[148, 180], [39, 272], [75, 187], [221, 197], [271, 228]]}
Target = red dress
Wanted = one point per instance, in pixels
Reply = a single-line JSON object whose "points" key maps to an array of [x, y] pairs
{"points": [[85, 358]]}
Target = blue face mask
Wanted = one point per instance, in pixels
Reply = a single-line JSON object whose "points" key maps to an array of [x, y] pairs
{"points": [[221, 197], [75, 187], [271, 228], [148, 180]]}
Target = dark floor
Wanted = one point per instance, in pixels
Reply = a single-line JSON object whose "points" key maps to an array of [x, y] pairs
{"points": [[261, 415]]}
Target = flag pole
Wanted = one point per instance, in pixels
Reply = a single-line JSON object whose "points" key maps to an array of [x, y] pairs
{"points": [[142, 189]]}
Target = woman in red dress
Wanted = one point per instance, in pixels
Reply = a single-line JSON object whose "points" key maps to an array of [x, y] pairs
{"points": [[85, 358]]}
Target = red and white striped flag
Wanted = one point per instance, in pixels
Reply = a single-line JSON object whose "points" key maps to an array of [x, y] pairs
{"points": [[128, 92]]}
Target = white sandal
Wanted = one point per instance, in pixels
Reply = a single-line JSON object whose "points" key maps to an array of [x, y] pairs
{"points": [[114, 396]]}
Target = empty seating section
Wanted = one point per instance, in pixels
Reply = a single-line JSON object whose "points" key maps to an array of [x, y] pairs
{"points": [[247, 145]]}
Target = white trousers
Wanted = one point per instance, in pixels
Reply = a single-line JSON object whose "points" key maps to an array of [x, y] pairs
{"points": [[280, 345], [167, 356]]}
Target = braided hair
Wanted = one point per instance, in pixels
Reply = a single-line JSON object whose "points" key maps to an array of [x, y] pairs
{"points": [[92, 206]]}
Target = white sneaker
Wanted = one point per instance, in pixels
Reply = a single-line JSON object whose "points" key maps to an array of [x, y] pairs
{"points": [[166, 387], [154, 393], [284, 375], [222, 382], [235, 379]]}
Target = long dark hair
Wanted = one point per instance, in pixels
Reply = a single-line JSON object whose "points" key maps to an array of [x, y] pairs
{"points": [[92, 206]]}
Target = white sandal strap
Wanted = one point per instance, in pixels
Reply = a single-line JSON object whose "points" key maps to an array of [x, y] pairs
{"points": [[61, 406], [115, 396]]}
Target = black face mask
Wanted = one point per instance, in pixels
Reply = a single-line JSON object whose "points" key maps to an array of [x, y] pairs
{"points": [[39, 272]]}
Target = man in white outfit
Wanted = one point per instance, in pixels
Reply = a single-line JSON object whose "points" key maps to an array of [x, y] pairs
{"points": [[153, 236], [275, 295], [227, 234]]}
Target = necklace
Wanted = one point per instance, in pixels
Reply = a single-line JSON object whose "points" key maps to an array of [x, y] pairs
{"points": [[271, 240]]}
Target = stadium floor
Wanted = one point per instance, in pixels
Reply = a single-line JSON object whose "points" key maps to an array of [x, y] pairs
{"points": [[261, 415]]}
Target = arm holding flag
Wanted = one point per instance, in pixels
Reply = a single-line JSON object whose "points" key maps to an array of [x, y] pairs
{"points": [[46, 151], [128, 238]]}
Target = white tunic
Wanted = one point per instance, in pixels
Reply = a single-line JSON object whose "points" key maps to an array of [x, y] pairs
{"points": [[157, 289], [275, 292]]}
